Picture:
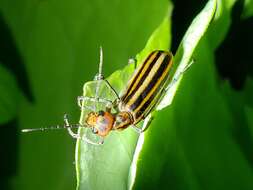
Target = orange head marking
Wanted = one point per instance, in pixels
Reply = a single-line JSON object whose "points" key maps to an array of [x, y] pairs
{"points": [[101, 121]]}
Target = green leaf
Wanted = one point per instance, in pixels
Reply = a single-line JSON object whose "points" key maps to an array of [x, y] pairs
{"points": [[192, 144], [159, 39], [187, 46], [202, 141], [9, 96], [108, 166], [59, 43], [248, 10]]}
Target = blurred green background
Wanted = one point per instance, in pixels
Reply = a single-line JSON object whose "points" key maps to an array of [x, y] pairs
{"points": [[49, 48]]}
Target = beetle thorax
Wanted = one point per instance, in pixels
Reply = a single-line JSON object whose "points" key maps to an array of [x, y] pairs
{"points": [[123, 120]]}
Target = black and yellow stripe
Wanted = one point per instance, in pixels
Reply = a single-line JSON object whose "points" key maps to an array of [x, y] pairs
{"points": [[146, 84]]}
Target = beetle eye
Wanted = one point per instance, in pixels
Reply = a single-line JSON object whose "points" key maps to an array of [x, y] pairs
{"points": [[101, 113], [94, 130]]}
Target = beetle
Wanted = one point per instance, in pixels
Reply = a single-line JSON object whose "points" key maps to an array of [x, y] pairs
{"points": [[142, 94]]}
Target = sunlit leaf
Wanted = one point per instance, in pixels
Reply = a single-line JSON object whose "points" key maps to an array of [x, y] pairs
{"points": [[108, 166]]}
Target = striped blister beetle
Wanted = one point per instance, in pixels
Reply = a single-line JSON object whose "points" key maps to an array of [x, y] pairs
{"points": [[142, 94]]}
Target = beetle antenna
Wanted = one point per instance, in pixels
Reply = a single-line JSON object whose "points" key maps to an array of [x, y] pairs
{"points": [[100, 62], [52, 128], [100, 76]]}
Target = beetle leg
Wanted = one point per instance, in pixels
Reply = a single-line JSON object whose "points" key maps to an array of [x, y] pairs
{"points": [[177, 77], [137, 129], [188, 66], [164, 90], [112, 89], [81, 99], [100, 78], [76, 135], [147, 122], [145, 126]]}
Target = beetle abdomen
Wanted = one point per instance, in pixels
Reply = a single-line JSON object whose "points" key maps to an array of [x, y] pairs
{"points": [[146, 85]]}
